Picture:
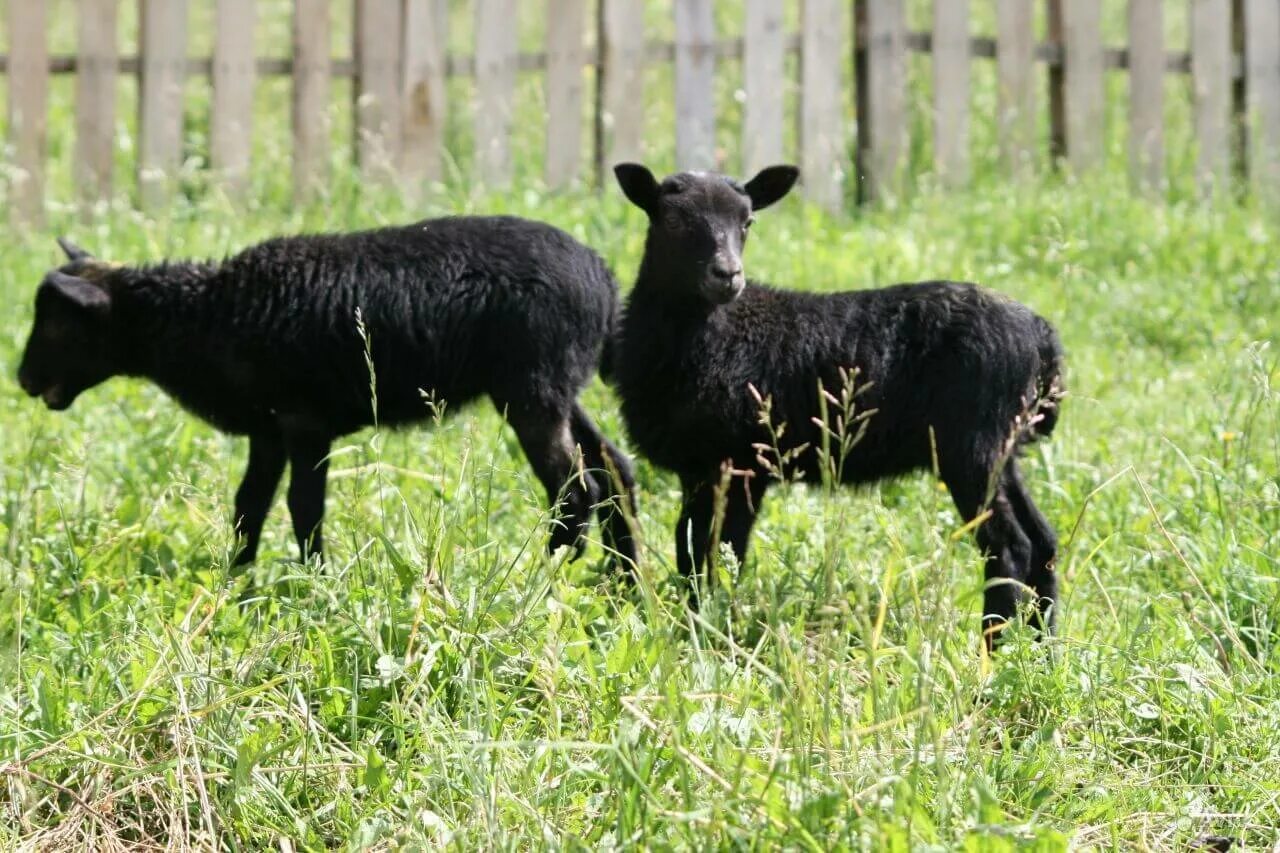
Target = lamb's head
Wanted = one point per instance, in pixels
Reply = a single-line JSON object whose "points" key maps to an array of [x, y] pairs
{"points": [[698, 224], [68, 350]]}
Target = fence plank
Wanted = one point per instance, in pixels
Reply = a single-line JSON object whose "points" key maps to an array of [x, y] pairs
{"points": [[822, 160], [1057, 76], [764, 72], [377, 90], [695, 85], [1210, 26], [1146, 93], [28, 108], [162, 73], [1262, 85], [1083, 90], [426, 103], [1015, 87], [495, 88], [884, 136], [566, 55], [311, 93], [951, 90], [234, 70], [622, 61], [95, 99]]}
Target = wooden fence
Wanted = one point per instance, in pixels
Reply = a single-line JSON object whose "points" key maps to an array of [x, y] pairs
{"points": [[400, 64]]}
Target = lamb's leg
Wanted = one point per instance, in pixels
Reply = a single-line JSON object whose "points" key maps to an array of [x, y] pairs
{"points": [[695, 533], [741, 506], [257, 491], [1006, 546], [615, 481], [1044, 548], [309, 469], [693, 529], [548, 443]]}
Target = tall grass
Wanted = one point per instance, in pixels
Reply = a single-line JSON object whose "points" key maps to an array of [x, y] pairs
{"points": [[440, 680]]}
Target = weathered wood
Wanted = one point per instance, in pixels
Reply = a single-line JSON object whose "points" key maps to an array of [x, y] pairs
{"points": [[622, 60], [1210, 25], [886, 91], [695, 85], [495, 88], [1146, 93], [951, 90], [28, 108], [234, 72], [566, 55], [1015, 86], [822, 161], [763, 71], [1084, 94], [426, 32], [1262, 87], [162, 74], [95, 99], [377, 90], [311, 93], [1057, 83]]}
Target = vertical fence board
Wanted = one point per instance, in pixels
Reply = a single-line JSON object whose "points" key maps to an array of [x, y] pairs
{"points": [[1262, 85], [1210, 26], [377, 90], [821, 106], [28, 107], [162, 73], [951, 90], [566, 55], [1057, 76], [695, 85], [622, 61], [1015, 89], [426, 32], [495, 89], [1146, 93], [882, 139], [763, 71], [95, 99], [231, 116], [1083, 89], [311, 92]]}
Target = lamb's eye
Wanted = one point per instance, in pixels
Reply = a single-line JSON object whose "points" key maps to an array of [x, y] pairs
{"points": [[747, 225], [674, 221]]}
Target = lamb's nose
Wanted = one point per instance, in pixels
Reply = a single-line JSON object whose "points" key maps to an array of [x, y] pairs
{"points": [[726, 271]]}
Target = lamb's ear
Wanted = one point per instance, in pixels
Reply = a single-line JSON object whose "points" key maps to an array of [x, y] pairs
{"points": [[638, 184], [74, 252], [771, 184], [78, 292]]}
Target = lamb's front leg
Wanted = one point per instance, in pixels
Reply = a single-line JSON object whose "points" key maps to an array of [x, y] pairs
{"points": [[309, 469], [712, 514], [257, 491]]}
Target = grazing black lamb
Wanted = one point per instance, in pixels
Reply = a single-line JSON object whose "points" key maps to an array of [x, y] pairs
{"points": [[277, 343], [947, 367]]}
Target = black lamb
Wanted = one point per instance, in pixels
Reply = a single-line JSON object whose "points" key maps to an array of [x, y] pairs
{"points": [[942, 367], [291, 342]]}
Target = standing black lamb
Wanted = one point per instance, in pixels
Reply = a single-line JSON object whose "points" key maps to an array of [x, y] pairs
{"points": [[269, 344], [947, 366]]}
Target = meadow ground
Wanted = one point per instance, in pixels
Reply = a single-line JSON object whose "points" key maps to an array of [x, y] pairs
{"points": [[441, 681]]}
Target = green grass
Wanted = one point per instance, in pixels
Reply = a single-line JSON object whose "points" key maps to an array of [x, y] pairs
{"points": [[441, 681]]}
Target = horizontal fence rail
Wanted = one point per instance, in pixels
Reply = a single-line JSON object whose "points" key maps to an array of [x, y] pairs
{"points": [[400, 64]]}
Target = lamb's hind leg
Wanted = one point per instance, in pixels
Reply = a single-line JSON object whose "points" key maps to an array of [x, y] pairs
{"points": [[1044, 547], [547, 440], [610, 470], [257, 491], [1001, 538], [308, 475]]}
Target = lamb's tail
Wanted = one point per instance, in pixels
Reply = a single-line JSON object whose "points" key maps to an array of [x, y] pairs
{"points": [[1050, 388], [607, 356]]}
